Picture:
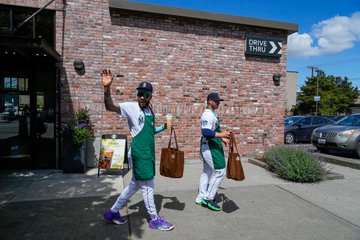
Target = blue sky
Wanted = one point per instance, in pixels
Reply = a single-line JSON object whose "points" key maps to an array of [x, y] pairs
{"points": [[328, 36]]}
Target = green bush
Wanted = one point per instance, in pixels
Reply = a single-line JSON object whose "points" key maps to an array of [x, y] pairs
{"points": [[294, 164], [81, 127]]}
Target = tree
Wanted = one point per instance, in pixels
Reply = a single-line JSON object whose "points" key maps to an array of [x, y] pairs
{"points": [[337, 95]]}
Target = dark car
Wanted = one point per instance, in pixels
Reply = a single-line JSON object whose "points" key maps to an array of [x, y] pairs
{"points": [[334, 118], [301, 130], [343, 135], [292, 119]]}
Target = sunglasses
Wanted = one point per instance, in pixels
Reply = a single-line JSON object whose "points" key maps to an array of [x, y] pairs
{"points": [[145, 94]]}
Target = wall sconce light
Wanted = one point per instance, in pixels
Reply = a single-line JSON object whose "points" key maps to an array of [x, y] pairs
{"points": [[276, 79], [78, 64]]}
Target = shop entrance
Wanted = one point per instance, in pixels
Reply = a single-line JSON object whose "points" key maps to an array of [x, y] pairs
{"points": [[27, 87], [27, 116]]}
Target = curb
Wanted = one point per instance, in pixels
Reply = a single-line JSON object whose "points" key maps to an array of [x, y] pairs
{"points": [[351, 163]]}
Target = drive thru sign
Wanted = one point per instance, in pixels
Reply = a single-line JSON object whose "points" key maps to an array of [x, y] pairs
{"points": [[263, 46]]}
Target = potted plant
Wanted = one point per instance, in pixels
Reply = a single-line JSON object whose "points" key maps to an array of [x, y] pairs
{"points": [[74, 142], [82, 128]]}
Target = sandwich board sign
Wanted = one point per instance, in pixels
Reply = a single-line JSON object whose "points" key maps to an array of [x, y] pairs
{"points": [[113, 152]]}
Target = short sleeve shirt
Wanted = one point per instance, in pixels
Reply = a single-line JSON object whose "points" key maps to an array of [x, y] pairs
{"points": [[135, 116], [209, 120]]}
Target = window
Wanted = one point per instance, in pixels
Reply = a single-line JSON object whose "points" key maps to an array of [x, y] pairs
{"points": [[15, 83], [319, 120], [305, 121]]}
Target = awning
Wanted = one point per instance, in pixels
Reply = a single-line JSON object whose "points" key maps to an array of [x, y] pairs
{"points": [[27, 49]]}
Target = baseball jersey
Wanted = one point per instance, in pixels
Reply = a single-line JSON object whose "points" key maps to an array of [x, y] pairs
{"points": [[135, 116], [209, 120]]}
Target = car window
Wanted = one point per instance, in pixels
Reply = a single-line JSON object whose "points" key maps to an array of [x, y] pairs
{"points": [[304, 121], [291, 120], [351, 120], [356, 121], [319, 120]]}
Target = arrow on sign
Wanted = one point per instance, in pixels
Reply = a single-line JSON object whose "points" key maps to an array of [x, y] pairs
{"points": [[275, 47]]}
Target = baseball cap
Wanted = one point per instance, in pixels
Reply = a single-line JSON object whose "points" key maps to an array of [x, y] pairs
{"points": [[145, 86], [214, 97]]}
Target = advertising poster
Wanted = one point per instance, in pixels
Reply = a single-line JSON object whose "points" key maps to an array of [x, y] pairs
{"points": [[112, 151]]}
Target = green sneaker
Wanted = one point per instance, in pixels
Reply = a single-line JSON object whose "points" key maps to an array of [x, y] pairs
{"points": [[210, 204]]}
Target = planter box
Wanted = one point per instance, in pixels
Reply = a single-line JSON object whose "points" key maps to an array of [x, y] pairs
{"points": [[92, 152], [74, 158]]}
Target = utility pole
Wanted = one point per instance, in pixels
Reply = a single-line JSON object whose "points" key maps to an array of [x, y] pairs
{"points": [[316, 97], [312, 70], [318, 71]]}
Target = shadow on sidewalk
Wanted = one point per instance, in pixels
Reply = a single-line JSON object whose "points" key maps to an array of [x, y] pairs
{"points": [[138, 216], [228, 205]]}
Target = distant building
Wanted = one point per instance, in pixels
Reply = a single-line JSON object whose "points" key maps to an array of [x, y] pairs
{"points": [[290, 89], [356, 107]]}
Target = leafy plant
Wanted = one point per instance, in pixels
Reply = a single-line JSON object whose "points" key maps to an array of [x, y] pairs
{"points": [[81, 128], [294, 164]]}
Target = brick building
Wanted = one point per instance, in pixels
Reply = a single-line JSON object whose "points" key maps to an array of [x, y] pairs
{"points": [[185, 54]]}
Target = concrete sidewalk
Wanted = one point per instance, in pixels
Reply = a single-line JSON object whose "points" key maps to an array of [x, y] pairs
{"points": [[46, 204]]}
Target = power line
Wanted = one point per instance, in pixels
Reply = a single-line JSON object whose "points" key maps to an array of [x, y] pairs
{"points": [[340, 61], [335, 62]]}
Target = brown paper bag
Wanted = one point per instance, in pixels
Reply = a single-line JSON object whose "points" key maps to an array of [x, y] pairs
{"points": [[234, 169], [172, 160]]}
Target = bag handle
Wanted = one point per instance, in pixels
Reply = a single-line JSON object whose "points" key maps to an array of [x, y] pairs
{"points": [[173, 130], [233, 143]]}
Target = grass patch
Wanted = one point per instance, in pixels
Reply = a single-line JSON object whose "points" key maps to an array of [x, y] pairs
{"points": [[294, 164]]}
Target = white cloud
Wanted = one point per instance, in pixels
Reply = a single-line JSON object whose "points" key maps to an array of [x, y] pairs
{"points": [[327, 37]]}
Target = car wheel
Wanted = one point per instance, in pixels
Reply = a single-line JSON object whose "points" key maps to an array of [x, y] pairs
{"points": [[358, 149], [289, 138]]}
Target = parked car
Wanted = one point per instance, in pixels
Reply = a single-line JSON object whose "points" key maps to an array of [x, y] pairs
{"points": [[291, 120], [301, 130], [343, 135], [9, 113], [334, 118]]}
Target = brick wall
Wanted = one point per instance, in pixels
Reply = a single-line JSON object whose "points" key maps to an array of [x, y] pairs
{"points": [[184, 59]]}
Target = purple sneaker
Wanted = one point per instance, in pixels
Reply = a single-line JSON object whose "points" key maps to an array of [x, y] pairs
{"points": [[114, 217], [160, 224]]}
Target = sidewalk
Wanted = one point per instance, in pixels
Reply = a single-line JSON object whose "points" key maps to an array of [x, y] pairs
{"points": [[47, 204]]}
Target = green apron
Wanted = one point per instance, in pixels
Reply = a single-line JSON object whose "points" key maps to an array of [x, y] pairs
{"points": [[143, 151], [216, 149]]}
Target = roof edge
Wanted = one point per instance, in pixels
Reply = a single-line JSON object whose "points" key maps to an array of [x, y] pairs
{"points": [[203, 15]]}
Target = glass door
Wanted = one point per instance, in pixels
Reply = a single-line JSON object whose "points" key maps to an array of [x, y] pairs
{"points": [[15, 120], [27, 118]]}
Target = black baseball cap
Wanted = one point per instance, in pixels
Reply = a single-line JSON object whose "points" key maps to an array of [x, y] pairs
{"points": [[214, 97], [145, 86]]}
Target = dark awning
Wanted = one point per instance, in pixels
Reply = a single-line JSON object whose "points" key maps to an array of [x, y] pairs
{"points": [[28, 49]]}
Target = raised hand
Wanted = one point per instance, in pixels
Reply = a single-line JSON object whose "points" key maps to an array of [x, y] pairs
{"points": [[107, 77]]}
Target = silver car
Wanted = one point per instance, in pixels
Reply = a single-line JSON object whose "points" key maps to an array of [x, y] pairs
{"points": [[343, 135]]}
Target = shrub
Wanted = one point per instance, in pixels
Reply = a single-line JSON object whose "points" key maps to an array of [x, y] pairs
{"points": [[294, 164], [81, 127]]}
